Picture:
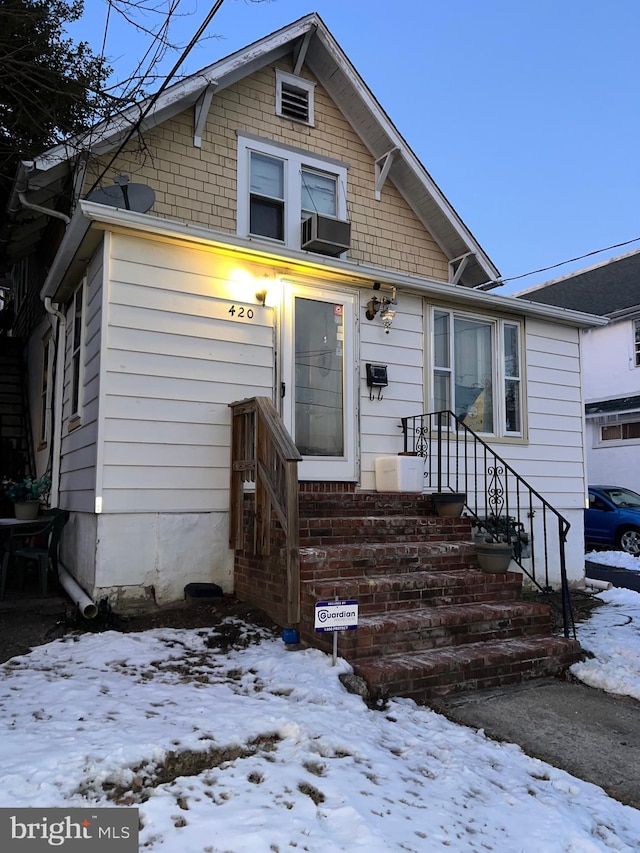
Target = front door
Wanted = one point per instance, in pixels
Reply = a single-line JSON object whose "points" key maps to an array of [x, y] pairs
{"points": [[317, 380]]}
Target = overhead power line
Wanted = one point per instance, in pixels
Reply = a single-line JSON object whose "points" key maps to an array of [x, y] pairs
{"points": [[152, 100], [571, 260]]}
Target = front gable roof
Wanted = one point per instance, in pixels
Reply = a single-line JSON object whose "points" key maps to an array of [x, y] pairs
{"points": [[308, 41]]}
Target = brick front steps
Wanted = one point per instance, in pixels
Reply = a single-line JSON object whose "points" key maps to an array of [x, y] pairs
{"points": [[431, 623]]}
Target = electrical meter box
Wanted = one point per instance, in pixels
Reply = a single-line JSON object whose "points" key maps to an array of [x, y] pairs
{"points": [[399, 473]]}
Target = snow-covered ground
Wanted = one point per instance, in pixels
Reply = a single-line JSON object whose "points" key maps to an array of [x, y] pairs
{"points": [[263, 749], [617, 559]]}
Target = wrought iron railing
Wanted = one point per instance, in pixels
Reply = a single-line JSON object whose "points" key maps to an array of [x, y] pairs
{"points": [[263, 453], [502, 505]]}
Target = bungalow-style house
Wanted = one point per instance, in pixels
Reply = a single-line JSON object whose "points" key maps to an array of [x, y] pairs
{"points": [[259, 338], [611, 363]]}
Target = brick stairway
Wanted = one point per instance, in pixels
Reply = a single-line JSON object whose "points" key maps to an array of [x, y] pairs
{"points": [[430, 622]]}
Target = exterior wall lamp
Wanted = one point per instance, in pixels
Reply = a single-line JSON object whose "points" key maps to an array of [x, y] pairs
{"points": [[382, 306]]}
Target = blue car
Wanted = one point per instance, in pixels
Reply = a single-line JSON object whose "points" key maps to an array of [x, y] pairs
{"points": [[613, 519]]}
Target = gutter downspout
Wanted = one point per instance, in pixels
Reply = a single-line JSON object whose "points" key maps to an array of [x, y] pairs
{"points": [[20, 187], [75, 592], [58, 324], [46, 210]]}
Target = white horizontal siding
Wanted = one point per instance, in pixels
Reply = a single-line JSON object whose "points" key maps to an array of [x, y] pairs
{"points": [[402, 351], [147, 409], [178, 352], [141, 433], [552, 460], [79, 445]]}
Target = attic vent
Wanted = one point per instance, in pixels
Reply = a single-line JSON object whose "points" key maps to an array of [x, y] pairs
{"points": [[295, 103], [294, 97]]}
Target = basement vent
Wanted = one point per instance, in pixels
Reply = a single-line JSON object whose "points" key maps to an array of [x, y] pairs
{"points": [[294, 97]]}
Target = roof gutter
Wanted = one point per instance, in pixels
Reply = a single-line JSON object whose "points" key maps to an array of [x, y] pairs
{"points": [[76, 231], [111, 218]]}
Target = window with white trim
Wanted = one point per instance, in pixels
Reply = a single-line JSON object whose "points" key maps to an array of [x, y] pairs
{"points": [[636, 341], [76, 332], [294, 97], [280, 186], [476, 371]]}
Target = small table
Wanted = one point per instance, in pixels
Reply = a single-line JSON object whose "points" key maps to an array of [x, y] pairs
{"points": [[10, 523], [7, 525]]}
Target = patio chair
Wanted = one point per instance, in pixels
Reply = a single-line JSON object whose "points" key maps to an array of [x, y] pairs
{"points": [[37, 542]]}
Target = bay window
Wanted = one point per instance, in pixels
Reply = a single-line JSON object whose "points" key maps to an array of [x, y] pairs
{"points": [[476, 371]]}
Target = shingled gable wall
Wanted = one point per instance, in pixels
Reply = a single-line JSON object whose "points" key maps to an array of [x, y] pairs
{"points": [[199, 184]]}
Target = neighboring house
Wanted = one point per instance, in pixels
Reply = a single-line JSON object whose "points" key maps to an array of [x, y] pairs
{"points": [[277, 235], [610, 363]]}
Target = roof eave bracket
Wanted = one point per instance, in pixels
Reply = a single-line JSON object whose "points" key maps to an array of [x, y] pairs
{"points": [[300, 54], [455, 273], [201, 111], [383, 166]]}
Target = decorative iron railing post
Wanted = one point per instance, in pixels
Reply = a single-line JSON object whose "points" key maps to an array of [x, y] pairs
{"points": [[567, 615]]}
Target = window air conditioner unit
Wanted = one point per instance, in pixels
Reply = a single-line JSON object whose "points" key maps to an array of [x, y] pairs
{"points": [[325, 235]]}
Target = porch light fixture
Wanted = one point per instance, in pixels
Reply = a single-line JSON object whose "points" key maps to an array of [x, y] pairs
{"points": [[382, 306], [261, 297], [373, 306]]}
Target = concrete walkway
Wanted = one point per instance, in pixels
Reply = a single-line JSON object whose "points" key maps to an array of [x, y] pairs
{"points": [[589, 733]]}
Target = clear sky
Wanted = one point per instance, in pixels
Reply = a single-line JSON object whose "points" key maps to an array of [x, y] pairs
{"points": [[525, 112]]}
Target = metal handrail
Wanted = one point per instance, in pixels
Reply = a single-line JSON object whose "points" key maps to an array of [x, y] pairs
{"points": [[498, 499], [262, 452]]}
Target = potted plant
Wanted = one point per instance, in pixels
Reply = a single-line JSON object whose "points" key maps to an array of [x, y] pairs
{"points": [[449, 504], [494, 556], [26, 495]]}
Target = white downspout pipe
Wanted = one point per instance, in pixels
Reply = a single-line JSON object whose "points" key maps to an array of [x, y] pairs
{"points": [[75, 592], [600, 586], [59, 325]]}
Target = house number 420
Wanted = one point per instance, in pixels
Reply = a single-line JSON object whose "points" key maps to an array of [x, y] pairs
{"points": [[241, 312]]}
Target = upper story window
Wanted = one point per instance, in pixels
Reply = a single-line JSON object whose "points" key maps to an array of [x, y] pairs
{"points": [[319, 193], [266, 196], [476, 371], [636, 341], [294, 97], [281, 186]]}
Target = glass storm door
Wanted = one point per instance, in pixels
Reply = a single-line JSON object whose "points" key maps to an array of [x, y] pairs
{"points": [[317, 381]]}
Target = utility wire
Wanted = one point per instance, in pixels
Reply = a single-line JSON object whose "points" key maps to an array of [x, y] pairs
{"points": [[136, 126], [562, 263]]}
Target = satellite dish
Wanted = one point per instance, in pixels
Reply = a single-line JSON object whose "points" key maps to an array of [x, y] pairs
{"points": [[137, 197]]}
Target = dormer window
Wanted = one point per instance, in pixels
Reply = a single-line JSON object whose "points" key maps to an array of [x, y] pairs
{"points": [[294, 97]]}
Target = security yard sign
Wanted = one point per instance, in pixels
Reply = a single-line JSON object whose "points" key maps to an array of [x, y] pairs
{"points": [[336, 615]]}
